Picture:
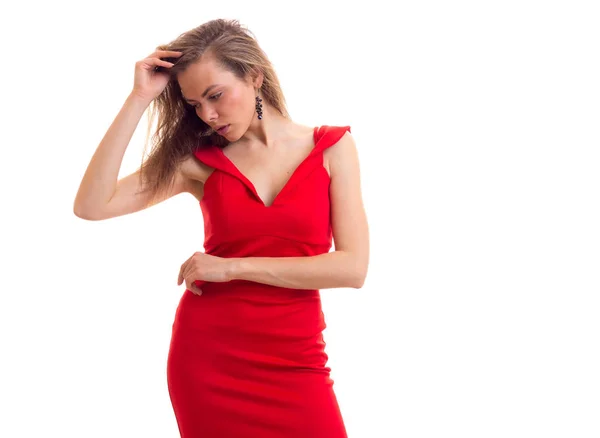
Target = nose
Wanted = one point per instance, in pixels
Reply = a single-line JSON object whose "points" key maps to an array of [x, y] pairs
{"points": [[208, 114]]}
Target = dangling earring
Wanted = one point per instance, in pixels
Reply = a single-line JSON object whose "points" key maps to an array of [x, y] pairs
{"points": [[259, 107]]}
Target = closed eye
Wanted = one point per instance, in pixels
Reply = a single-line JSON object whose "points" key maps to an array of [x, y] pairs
{"points": [[213, 97]]}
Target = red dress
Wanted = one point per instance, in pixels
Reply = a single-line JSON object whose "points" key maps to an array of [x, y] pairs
{"points": [[246, 359]]}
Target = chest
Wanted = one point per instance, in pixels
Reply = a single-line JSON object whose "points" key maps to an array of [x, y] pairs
{"points": [[269, 170], [300, 212]]}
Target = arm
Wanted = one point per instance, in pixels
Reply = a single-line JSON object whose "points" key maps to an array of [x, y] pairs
{"points": [[100, 179], [101, 195], [344, 267]]}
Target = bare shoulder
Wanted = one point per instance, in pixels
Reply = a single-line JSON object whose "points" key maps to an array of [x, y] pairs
{"points": [[342, 151]]}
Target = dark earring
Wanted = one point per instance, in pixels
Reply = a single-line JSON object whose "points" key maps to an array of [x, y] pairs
{"points": [[259, 107]]}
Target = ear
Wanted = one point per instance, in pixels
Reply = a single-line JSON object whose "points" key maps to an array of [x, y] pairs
{"points": [[257, 78]]}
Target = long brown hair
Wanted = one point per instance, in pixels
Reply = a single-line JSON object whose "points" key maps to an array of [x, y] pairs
{"points": [[179, 130]]}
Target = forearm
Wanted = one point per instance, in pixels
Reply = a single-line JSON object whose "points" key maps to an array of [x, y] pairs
{"points": [[325, 271]]}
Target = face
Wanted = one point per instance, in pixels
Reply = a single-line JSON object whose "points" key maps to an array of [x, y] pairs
{"points": [[219, 97]]}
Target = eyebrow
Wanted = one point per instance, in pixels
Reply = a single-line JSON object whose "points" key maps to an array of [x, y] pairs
{"points": [[203, 94]]}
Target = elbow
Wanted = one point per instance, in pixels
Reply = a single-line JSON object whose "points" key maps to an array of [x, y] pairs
{"points": [[355, 270], [359, 281], [359, 277], [78, 210], [82, 213]]}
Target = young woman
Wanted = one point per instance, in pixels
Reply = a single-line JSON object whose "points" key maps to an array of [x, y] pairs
{"points": [[247, 356]]}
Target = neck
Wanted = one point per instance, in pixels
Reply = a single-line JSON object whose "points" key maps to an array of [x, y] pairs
{"points": [[266, 131]]}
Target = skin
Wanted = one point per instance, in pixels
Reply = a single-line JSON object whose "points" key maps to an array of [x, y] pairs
{"points": [[260, 149]]}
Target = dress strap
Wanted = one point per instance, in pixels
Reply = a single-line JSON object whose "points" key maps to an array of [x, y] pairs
{"points": [[209, 156], [326, 136]]}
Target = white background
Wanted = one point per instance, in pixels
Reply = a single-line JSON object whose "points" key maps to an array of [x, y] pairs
{"points": [[477, 128]]}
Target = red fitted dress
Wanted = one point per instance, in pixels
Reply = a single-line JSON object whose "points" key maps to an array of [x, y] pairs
{"points": [[246, 359]]}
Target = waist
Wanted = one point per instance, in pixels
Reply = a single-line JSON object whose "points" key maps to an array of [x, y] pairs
{"points": [[252, 308]]}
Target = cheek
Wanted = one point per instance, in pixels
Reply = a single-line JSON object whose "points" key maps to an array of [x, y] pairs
{"points": [[235, 100]]}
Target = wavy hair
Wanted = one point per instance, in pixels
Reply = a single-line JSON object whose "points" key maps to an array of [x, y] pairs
{"points": [[179, 130]]}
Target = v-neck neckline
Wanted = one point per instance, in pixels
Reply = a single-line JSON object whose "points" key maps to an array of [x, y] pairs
{"points": [[249, 183]]}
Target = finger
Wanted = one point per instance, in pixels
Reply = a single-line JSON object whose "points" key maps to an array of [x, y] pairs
{"points": [[195, 289], [185, 270], [156, 61], [165, 53], [182, 271], [181, 275], [164, 63]]}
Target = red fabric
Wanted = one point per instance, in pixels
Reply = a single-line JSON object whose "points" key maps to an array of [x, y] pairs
{"points": [[248, 359]]}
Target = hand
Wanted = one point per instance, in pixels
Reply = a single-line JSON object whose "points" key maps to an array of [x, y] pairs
{"points": [[202, 267], [148, 82]]}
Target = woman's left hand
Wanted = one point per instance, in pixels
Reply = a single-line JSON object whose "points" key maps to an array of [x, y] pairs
{"points": [[204, 267]]}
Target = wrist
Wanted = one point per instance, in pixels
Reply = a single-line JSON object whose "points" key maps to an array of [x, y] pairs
{"points": [[236, 268], [138, 99]]}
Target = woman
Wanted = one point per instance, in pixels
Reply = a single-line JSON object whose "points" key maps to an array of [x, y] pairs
{"points": [[247, 355]]}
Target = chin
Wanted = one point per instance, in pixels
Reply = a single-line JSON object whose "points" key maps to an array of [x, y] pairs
{"points": [[231, 135]]}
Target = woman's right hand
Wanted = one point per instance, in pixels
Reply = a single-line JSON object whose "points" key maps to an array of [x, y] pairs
{"points": [[149, 83]]}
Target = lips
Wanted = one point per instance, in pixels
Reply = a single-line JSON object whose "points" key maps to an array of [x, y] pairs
{"points": [[221, 129]]}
